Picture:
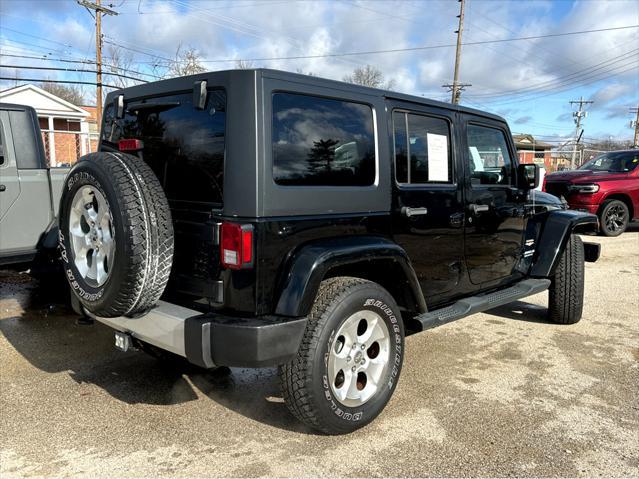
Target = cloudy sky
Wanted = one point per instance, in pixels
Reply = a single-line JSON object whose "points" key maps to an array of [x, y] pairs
{"points": [[530, 82]]}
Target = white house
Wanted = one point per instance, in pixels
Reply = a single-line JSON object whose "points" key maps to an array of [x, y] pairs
{"points": [[66, 128]]}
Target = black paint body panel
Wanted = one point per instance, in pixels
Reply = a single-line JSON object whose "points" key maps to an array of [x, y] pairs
{"points": [[305, 234]]}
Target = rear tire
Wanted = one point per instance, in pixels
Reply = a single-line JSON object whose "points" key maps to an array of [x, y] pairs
{"points": [[566, 293], [613, 218], [350, 358], [116, 235]]}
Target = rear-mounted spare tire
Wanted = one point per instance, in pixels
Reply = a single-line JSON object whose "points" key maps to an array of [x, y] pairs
{"points": [[116, 234]]}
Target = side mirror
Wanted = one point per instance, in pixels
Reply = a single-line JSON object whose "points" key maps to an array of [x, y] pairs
{"points": [[528, 176]]}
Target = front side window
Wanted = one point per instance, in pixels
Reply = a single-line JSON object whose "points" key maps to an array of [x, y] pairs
{"points": [[422, 149], [322, 142], [489, 160]]}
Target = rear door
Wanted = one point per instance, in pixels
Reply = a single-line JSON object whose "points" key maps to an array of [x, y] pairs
{"points": [[184, 145], [428, 216], [494, 206], [25, 203]]}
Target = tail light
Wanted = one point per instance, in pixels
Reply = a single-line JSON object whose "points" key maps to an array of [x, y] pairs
{"points": [[236, 245], [130, 144]]}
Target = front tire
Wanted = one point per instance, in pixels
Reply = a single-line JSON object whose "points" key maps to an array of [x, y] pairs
{"points": [[566, 293], [613, 218], [350, 358]]}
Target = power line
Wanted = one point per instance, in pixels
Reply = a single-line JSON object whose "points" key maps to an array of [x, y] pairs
{"points": [[22, 67], [426, 47], [111, 42], [48, 40], [408, 49], [549, 83], [86, 62], [553, 90], [33, 45], [73, 82]]}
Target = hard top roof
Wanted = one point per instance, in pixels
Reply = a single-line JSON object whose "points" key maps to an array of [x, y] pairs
{"points": [[169, 84]]}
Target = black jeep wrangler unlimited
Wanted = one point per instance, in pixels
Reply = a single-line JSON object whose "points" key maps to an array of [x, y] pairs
{"points": [[258, 218]]}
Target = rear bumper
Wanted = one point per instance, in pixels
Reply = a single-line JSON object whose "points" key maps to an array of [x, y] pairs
{"points": [[210, 340]]}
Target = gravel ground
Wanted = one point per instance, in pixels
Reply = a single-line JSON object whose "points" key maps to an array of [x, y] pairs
{"points": [[498, 394]]}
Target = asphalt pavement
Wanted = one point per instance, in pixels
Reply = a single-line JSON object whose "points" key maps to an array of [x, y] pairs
{"points": [[503, 393]]}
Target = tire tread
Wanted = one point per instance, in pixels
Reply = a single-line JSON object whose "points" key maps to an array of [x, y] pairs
{"points": [[295, 376], [147, 223], [566, 293]]}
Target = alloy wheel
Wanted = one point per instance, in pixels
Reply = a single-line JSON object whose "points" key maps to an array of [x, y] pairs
{"points": [[91, 235], [359, 358]]}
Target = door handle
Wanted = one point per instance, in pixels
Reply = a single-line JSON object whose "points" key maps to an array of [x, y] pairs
{"points": [[409, 212], [478, 208], [2, 187]]}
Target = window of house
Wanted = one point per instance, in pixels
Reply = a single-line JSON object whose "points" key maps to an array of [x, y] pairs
{"points": [[422, 149], [44, 123], [322, 141], [63, 124], [489, 159]]}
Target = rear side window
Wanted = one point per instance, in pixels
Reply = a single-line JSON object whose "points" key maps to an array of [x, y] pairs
{"points": [[322, 141], [422, 149], [183, 145]]}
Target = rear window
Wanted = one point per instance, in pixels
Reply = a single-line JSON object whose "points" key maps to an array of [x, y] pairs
{"points": [[183, 145], [322, 141]]}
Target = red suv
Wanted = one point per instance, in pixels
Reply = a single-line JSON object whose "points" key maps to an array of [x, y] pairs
{"points": [[607, 186]]}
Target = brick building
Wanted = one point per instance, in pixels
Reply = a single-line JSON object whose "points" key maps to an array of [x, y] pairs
{"points": [[69, 131], [531, 150]]}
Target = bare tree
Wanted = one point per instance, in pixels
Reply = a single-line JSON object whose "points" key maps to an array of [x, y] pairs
{"points": [[302, 72], [72, 94], [187, 62], [120, 62], [369, 75], [243, 64]]}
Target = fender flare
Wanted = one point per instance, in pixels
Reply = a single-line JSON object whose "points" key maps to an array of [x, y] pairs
{"points": [[309, 265], [556, 228]]}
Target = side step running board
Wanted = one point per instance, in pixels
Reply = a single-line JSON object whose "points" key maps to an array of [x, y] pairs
{"points": [[477, 304]]}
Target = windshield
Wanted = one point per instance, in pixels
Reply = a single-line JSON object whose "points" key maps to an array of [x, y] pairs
{"points": [[616, 162]]}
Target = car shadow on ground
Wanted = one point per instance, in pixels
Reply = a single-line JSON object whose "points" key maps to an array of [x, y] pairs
{"points": [[521, 311], [48, 335]]}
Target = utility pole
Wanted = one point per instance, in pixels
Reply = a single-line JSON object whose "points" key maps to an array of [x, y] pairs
{"points": [[635, 124], [456, 87], [460, 88], [99, 10], [578, 115]]}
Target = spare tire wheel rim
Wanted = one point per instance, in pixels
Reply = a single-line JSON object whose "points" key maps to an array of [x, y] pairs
{"points": [[91, 234], [359, 358]]}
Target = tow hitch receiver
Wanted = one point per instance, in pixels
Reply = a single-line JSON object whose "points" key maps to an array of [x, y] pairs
{"points": [[123, 341]]}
